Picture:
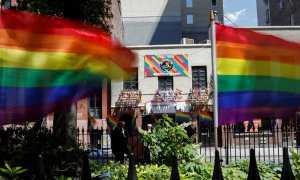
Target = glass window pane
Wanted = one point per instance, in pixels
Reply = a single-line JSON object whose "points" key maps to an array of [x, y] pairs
{"points": [[189, 19], [199, 77], [189, 3], [165, 83], [132, 81], [213, 2]]}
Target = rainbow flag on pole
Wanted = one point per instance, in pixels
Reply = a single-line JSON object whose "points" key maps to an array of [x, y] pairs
{"points": [[258, 75], [112, 121], [47, 62], [205, 117], [181, 116], [91, 122]]}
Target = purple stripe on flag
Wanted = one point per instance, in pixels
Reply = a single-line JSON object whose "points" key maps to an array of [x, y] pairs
{"points": [[235, 115]]}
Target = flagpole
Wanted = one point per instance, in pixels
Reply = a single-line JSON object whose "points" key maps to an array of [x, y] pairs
{"points": [[214, 70], [0, 6]]}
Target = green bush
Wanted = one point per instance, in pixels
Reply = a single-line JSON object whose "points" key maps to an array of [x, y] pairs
{"points": [[168, 139], [21, 147], [296, 163], [196, 169], [11, 173]]}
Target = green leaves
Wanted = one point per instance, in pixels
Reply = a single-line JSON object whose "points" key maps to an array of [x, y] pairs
{"points": [[11, 173], [168, 139], [296, 163]]}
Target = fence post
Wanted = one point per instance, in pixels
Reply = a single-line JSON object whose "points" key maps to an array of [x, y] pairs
{"points": [[131, 170], [217, 174], [40, 171], [174, 173], [287, 172], [253, 173], [86, 172]]}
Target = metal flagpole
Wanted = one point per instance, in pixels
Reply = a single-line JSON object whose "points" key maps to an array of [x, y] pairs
{"points": [[0, 6], [214, 70]]}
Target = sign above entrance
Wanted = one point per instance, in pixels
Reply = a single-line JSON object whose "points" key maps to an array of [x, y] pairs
{"points": [[166, 65], [166, 107]]}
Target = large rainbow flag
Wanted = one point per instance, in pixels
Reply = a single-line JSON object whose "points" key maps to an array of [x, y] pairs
{"points": [[47, 62], [258, 75], [181, 116], [112, 121]]}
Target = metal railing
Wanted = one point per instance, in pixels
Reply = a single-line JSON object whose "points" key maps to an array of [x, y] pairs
{"points": [[235, 142]]}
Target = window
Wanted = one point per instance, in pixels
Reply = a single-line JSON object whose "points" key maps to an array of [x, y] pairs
{"points": [[132, 81], [189, 19], [189, 3], [213, 2], [292, 20], [267, 16], [199, 77], [165, 83], [292, 3], [280, 4], [96, 105]]}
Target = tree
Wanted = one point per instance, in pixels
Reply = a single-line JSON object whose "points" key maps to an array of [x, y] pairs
{"points": [[94, 11], [77, 9]]}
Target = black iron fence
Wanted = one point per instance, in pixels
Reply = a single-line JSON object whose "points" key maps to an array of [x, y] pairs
{"points": [[98, 144], [234, 141]]}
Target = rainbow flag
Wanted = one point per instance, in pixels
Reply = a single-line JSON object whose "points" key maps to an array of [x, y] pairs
{"points": [[182, 116], [298, 115], [91, 122], [112, 121], [258, 75], [47, 62], [205, 117]]}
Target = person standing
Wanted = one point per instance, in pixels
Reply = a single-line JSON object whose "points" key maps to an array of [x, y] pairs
{"points": [[135, 144], [119, 142]]}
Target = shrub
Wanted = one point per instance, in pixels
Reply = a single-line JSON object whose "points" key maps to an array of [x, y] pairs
{"points": [[168, 139], [21, 147], [296, 163]]}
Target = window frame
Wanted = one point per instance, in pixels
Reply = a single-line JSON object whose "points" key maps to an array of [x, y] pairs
{"points": [[132, 82], [93, 108], [189, 3], [214, 4], [190, 21], [163, 83], [196, 81]]}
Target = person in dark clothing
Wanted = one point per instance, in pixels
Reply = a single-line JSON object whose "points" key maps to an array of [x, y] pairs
{"points": [[190, 131], [136, 146], [119, 142]]}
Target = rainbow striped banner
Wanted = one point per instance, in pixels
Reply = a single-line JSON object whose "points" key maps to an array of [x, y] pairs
{"points": [[166, 65], [112, 121], [258, 75], [91, 122], [47, 62], [181, 116], [205, 117]]}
